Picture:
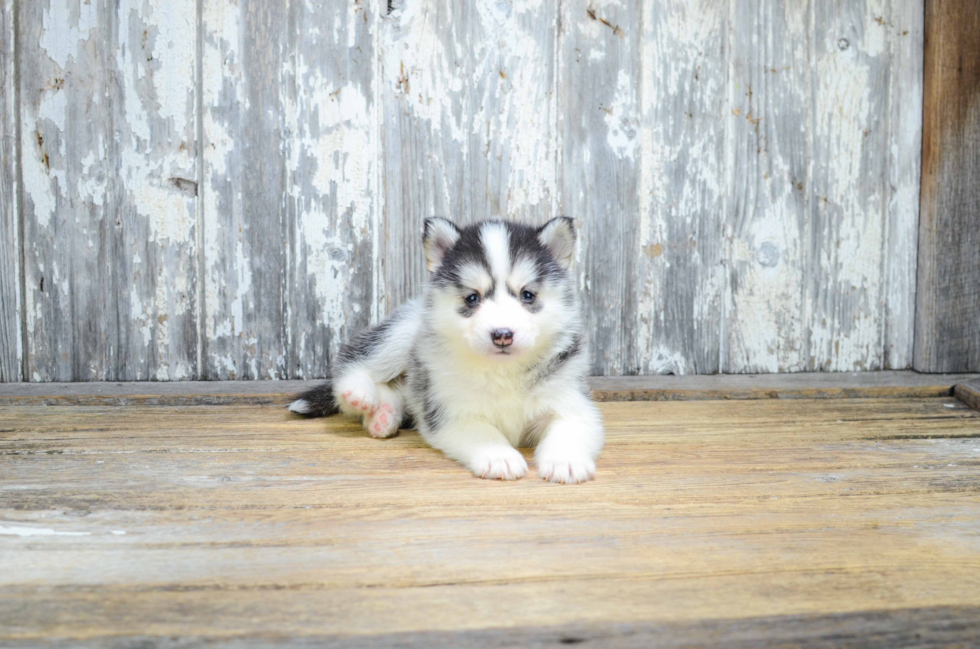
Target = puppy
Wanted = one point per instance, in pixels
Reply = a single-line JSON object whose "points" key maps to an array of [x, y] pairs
{"points": [[491, 357]]}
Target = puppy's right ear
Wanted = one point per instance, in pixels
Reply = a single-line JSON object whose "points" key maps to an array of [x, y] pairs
{"points": [[438, 237]]}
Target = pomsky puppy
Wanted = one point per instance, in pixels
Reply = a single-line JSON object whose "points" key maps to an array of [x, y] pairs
{"points": [[492, 356]]}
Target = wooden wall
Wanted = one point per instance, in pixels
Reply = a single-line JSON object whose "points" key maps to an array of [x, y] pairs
{"points": [[226, 189]]}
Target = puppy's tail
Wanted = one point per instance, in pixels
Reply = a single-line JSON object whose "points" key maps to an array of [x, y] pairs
{"points": [[316, 402]]}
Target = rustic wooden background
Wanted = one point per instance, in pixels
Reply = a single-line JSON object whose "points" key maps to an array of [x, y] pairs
{"points": [[226, 189]]}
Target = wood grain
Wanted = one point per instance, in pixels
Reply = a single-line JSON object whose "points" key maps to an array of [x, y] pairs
{"points": [[69, 229], [671, 321], [241, 525], [332, 150], [848, 240], [766, 258], [947, 318], [10, 331], [107, 138], [600, 114], [933, 626], [905, 36], [969, 393], [244, 190]]}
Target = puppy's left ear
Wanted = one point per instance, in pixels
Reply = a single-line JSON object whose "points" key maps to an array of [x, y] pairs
{"points": [[438, 237], [558, 238]]}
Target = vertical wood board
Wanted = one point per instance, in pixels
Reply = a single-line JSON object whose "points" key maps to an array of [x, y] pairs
{"points": [[10, 331], [676, 284], [107, 141], [770, 120], [599, 118], [847, 239], [332, 151], [244, 190], [68, 229], [947, 315]]}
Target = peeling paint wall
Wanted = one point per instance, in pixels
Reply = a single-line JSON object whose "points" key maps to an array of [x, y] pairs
{"points": [[225, 189]]}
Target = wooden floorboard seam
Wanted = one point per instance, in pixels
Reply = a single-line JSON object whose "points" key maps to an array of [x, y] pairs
{"points": [[811, 385]]}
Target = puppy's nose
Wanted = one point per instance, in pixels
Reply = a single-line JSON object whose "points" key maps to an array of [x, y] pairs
{"points": [[502, 337]]}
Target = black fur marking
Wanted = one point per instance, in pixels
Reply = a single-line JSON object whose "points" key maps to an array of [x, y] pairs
{"points": [[468, 249], [365, 342], [524, 243], [573, 349], [434, 413], [320, 400], [421, 385]]}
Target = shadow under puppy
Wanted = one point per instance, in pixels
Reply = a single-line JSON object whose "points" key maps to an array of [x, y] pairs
{"points": [[492, 356]]}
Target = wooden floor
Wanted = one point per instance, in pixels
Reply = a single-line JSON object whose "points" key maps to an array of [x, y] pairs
{"points": [[738, 522]]}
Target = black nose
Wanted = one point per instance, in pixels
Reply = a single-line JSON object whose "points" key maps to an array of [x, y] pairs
{"points": [[502, 337]]}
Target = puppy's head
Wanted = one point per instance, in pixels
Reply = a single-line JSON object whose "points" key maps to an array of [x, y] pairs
{"points": [[500, 290]]}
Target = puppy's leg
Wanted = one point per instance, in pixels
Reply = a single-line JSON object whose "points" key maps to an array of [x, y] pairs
{"points": [[481, 448], [354, 391], [571, 442], [386, 418], [378, 355]]}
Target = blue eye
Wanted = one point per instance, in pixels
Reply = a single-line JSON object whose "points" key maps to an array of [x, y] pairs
{"points": [[472, 299], [527, 297]]}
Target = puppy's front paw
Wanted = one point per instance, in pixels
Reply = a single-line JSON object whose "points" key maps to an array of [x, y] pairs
{"points": [[499, 463], [383, 422], [568, 470]]}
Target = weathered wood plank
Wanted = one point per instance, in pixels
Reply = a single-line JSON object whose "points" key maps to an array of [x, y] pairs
{"points": [[244, 190], [903, 180], [71, 294], [153, 187], [850, 194], [107, 138], [469, 122], [599, 110], [947, 314], [969, 393], [672, 321], [188, 525], [803, 385], [331, 143], [938, 626], [10, 314], [770, 127], [289, 94]]}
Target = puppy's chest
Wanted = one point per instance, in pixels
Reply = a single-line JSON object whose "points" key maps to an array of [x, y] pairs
{"points": [[502, 401]]}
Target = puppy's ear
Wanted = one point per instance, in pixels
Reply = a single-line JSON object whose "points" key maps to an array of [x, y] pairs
{"points": [[558, 238], [438, 237]]}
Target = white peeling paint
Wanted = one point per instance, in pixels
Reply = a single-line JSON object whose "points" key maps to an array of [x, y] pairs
{"points": [[66, 23], [620, 118]]}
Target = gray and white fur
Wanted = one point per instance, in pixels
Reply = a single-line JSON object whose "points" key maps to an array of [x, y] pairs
{"points": [[492, 356]]}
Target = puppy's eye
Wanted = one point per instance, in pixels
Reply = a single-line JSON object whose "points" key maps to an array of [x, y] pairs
{"points": [[527, 297], [473, 299]]}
